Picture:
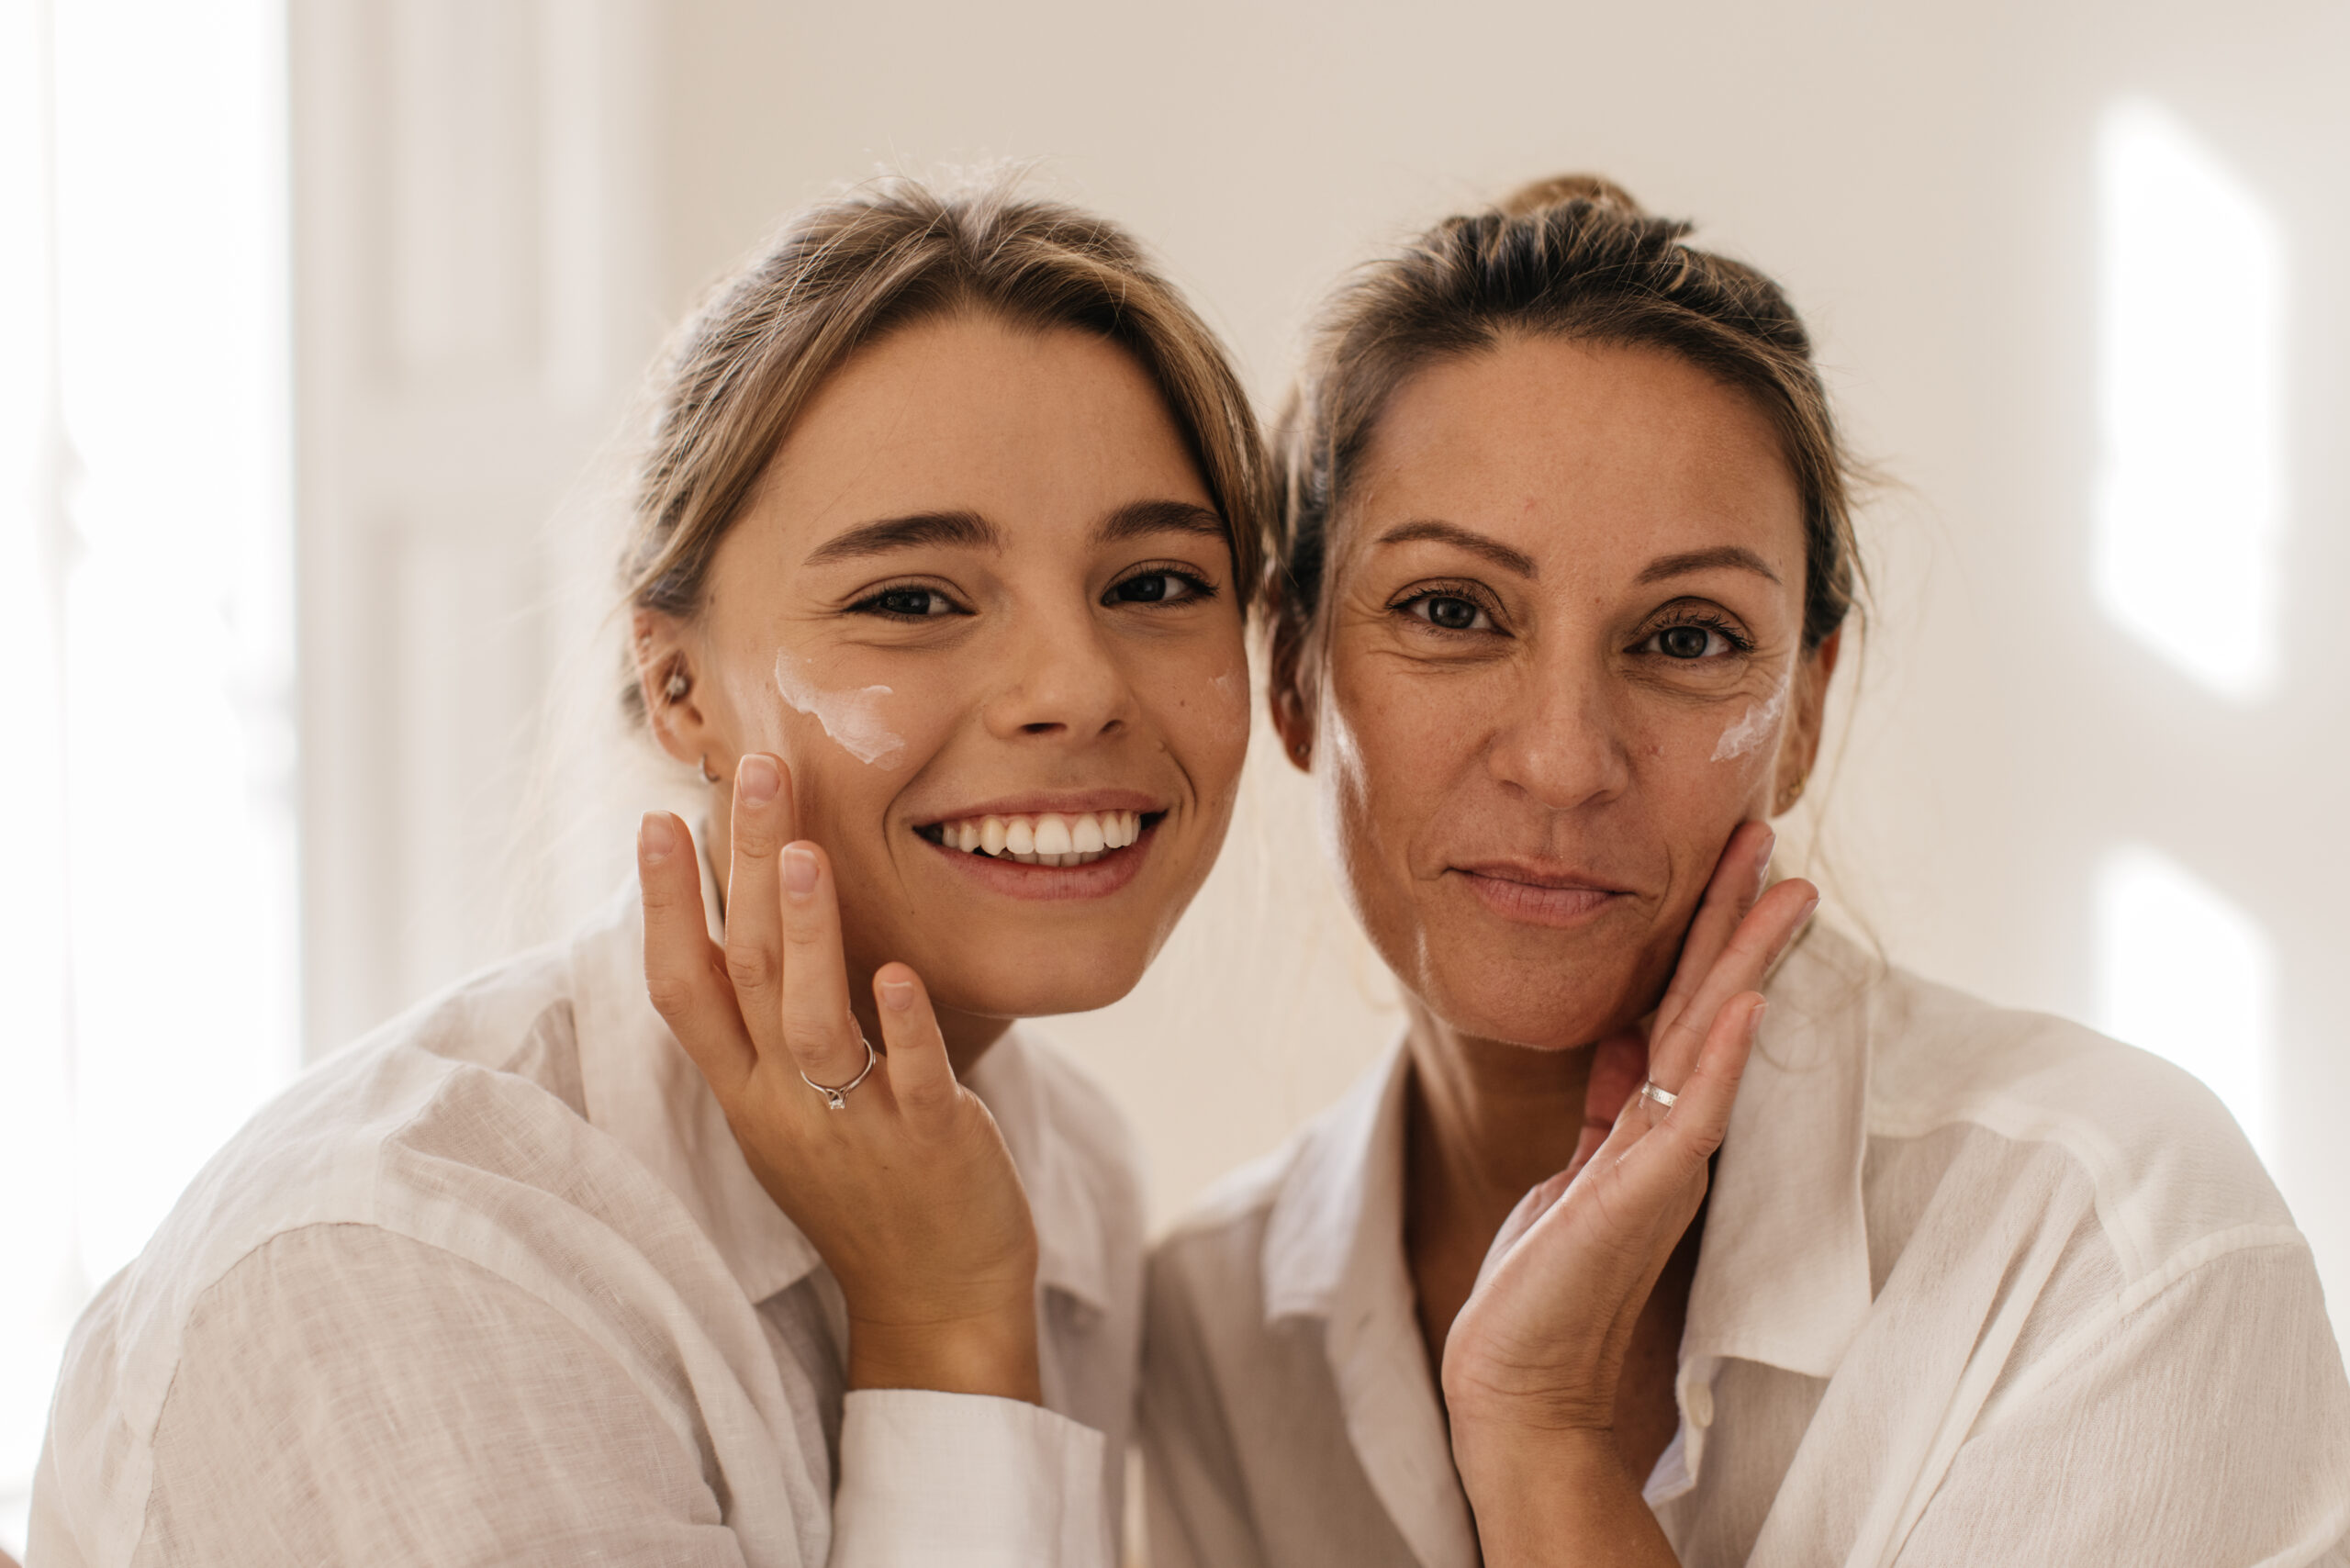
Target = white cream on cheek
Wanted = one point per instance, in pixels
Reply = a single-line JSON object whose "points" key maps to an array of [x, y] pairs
{"points": [[851, 718], [1759, 725]]}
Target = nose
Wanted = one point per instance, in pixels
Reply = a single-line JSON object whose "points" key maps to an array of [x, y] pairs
{"points": [[1062, 683], [1563, 744]]}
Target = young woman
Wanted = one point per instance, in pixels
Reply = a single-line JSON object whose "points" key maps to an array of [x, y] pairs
{"points": [[937, 575], [1564, 564]]}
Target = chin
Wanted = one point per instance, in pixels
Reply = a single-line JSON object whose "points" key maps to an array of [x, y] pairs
{"points": [[1014, 985], [1548, 1006]]}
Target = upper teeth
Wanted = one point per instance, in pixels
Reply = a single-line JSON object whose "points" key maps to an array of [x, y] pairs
{"points": [[1051, 838]]}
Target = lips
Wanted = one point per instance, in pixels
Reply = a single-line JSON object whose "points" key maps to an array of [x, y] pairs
{"points": [[1535, 894]]}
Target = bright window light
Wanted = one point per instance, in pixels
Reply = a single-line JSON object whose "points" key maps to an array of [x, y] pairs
{"points": [[2190, 505], [148, 990], [2189, 975]]}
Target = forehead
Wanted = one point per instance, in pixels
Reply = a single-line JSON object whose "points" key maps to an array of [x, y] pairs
{"points": [[1593, 453], [1022, 425]]}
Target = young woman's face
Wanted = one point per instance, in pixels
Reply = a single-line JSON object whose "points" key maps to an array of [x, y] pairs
{"points": [[1563, 663], [983, 591]]}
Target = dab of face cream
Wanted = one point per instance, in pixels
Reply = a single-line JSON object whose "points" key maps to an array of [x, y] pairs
{"points": [[1761, 721], [852, 719]]}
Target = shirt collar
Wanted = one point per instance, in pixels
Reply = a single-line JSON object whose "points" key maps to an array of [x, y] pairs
{"points": [[1334, 1250], [1783, 1273], [641, 1089]]}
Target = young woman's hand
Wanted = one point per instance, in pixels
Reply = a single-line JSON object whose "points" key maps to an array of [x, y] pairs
{"points": [[906, 1191], [1532, 1362]]}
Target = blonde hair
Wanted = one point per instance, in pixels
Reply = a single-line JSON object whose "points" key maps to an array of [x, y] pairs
{"points": [[842, 275]]}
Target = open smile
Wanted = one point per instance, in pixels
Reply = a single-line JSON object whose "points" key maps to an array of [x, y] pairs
{"points": [[1043, 838], [1088, 847]]}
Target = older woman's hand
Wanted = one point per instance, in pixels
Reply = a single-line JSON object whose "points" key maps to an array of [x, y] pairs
{"points": [[906, 1191], [1531, 1365]]}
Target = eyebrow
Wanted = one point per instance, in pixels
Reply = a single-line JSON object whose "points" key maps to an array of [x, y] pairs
{"points": [[1735, 557], [969, 531], [1138, 519], [912, 531], [1431, 530]]}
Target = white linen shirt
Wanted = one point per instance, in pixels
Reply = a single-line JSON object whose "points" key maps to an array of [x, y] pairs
{"points": [[496, 1286], [1976, 1286]]}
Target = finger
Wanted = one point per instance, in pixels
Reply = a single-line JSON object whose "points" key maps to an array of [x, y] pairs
{"points": [[1617, 1065], [1648, 1177], [921, 1079], [1700, 1117], [1736, 883], [761, 827], [1760, 937], [684, 974], [818, 1028]]}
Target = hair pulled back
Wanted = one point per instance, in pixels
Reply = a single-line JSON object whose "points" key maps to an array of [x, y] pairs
{"points": [[846, 273], [1570, 257]]}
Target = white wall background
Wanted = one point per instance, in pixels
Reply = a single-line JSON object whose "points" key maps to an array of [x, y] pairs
{"points": [[506, 203]]}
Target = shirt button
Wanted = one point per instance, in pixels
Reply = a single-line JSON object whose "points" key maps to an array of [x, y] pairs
{"points": [[1700, 1404]]}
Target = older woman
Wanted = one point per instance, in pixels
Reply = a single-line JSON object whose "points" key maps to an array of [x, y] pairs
{"points": [[1564, 568]]}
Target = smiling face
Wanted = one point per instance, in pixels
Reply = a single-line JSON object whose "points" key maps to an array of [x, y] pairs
{"points": [[1561, 662], [981, 600]]}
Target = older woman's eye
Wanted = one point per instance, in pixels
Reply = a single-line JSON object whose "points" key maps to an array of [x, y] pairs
{"points": [[1692, 642], [1451, 613]]}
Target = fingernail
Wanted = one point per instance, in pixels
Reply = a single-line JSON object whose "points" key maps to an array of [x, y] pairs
{"points": [[656, 840], [897, 995], [1754, 1019], [755, 779], [799, 870]]}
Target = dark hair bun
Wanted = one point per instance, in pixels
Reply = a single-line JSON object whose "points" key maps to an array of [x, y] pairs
{"points": [[1560, 189]]}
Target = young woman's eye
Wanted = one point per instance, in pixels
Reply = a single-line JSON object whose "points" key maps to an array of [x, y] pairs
{"points": [[1692, 641], [1157, 588], [910, 603], [1450, 612]]}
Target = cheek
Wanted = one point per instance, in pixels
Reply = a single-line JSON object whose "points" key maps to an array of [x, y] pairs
{"points": [[1700, 774], [1198, 702]]}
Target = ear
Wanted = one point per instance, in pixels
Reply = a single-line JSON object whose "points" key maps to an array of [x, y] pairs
{"points": [[1800, 750], [1292, 687], [668, 678]]}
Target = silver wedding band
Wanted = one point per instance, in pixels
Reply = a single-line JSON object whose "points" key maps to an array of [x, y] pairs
{"points": [[1662, 1097], [837, 1098]]}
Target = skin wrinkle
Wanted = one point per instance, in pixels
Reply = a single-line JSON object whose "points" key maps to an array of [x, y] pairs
{"points": [[1758, 727]]}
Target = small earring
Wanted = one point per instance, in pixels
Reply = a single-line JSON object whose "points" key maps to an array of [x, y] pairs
{"points": [[707, 776], [678, 685], [1789, 796]]}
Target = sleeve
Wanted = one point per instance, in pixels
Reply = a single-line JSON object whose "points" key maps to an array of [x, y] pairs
{"points": [[2210, 1427], [1196, 1504], [932, 1478], [345, 1394]]}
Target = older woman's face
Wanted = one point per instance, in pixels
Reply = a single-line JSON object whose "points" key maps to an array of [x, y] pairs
{"points": [[1563, 663]]}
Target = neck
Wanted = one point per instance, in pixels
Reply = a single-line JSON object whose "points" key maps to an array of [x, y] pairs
{"points": [[1486, 1122], [968, 1035]]}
